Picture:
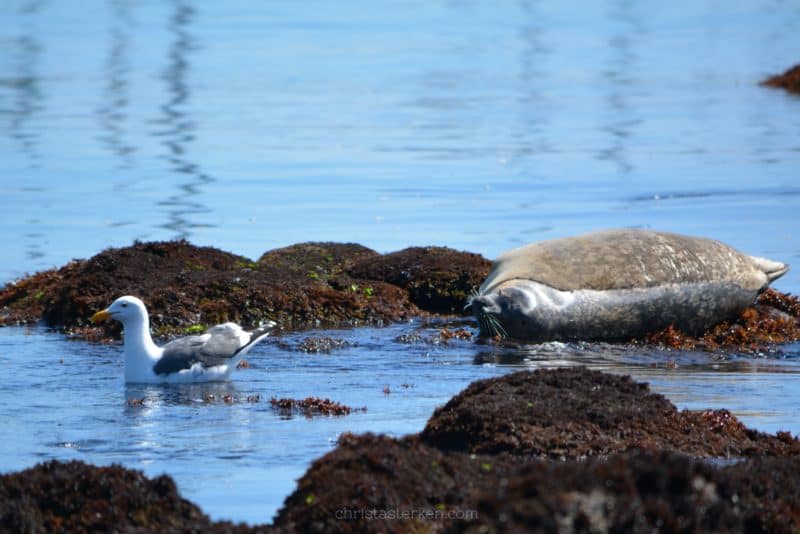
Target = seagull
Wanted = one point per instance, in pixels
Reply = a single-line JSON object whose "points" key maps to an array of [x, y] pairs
{"points": [[208, 357]]}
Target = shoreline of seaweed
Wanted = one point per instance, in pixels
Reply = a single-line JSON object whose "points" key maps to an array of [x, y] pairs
{"points": [[188, 288]]}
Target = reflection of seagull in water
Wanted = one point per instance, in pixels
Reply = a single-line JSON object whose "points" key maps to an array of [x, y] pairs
{"points": [[204, 358]]}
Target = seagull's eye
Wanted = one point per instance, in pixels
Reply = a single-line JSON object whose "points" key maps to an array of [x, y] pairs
{"points": [[124, 304]]}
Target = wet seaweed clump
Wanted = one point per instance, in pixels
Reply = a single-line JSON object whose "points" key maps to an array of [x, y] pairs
{"points": [[184, 286], [317, 260], [323, 344], [380, 484], [442, 336], [410, 338], [558, 450], [77, 497], [565, 450], [309, 285], [379, 475], [446, 334], [784, 302], [641, 491], [773, 320], [577, 413], [311, 406], [789, 80], [304, 285], [438, 279]]}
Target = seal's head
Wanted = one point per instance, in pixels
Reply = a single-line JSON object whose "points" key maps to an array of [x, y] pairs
{"points": [[503, 310]]}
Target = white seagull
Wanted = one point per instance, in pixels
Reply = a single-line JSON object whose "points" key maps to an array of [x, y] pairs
{"points": [[207, 357]]}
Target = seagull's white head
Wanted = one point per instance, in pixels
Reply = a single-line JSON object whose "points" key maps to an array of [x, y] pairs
{"points": [[124, 310]]}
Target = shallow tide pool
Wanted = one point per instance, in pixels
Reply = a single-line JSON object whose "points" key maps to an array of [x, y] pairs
{"points": [[238, 458], [478, 126]]}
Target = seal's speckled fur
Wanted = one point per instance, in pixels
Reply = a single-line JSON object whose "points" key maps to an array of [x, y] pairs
{"points": [[618, 285]]}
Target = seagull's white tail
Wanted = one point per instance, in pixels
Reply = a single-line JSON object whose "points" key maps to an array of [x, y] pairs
{"points": [[255, 336]]}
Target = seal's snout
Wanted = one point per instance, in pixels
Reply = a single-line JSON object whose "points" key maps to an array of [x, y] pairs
{"points": [[480, 305], [485, 308]]}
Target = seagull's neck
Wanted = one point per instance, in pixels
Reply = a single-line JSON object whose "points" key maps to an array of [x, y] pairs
{"points": [[138, 343]]}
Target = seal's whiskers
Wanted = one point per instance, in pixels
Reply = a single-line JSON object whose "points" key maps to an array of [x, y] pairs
{"points": [[496, 326], [490, 325]]}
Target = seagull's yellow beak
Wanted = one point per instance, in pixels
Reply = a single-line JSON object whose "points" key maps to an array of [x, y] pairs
{"points": [[101, 316]]}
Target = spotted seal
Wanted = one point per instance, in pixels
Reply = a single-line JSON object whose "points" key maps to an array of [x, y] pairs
{"points": [[617, 285]]}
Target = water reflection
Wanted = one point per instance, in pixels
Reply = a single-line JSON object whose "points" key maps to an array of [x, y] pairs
{"points": [[532, 135], [140, 398], [23, 101], [34, 249], [24, 84], [184, 210], [619, 78], [112, 113], [633, 358]]}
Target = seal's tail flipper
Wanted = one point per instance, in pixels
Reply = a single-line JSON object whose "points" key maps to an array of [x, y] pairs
{"points": [[773, 269]]}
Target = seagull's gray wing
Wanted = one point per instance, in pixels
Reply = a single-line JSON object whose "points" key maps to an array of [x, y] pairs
{"points": [[215, 347]]}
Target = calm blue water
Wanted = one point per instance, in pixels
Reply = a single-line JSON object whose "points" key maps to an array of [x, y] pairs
{"points": [[478, 126]]}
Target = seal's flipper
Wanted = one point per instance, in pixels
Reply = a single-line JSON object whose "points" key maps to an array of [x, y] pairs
{"points": [[773, 269]]}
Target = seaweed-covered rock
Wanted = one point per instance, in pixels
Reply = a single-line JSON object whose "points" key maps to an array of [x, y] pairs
{"points": [[77, 497], [450, 478], [575, 413], [789, 80], [188, 288], [475, 466], [438, 279], [641, 491], [316, 260], [380, 484], [184, 285], [774, 319]]}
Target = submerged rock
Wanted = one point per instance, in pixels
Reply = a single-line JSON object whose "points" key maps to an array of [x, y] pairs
{"points": [[323, 344], [444, 335]]}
